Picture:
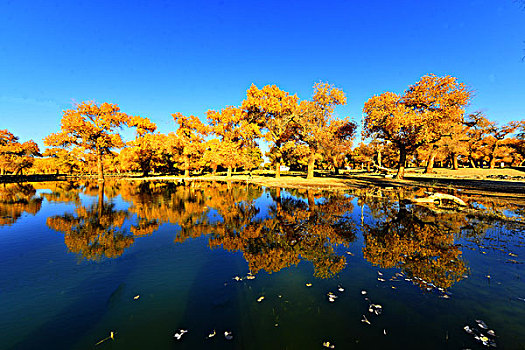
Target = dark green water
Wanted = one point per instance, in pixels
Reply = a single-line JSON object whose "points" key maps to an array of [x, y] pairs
{"points": [[73, 261]]}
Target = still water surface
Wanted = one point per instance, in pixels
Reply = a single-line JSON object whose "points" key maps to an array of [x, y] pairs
{"points": [[144, 260]]}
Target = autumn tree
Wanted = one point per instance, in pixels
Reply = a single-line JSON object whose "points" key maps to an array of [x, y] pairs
{"points": [[497, 135], [318, 127], [417, 117], [485, 138], [143, 150], [16, 156], [237, 132], [450, 146], [275, 110], [66, 161], [336, 142], [519, 144], [191, 133], [295, 155], [93, 128]]}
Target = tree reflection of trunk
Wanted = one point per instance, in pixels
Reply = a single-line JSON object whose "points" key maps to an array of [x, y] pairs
{"points": [[411, 238], [100, 198]]}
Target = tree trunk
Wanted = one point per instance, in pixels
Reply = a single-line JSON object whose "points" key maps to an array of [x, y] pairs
{"points": [[229, 173], [430, 164], [214, 169], [278, 170], [379, 158], [311, 165], [401, 166], [455, 161], [492, 157], [471, 162], [100, 166], [492, 161], [186, 166], [367, 167]]}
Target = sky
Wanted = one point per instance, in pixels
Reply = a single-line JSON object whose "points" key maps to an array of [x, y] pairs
{"points": [[155, 58]]}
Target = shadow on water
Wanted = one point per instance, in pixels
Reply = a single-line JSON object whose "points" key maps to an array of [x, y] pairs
{"points": [[87, 310]]}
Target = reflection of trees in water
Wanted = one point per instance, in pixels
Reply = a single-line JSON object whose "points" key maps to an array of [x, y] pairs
{"points": [[419, 239], [15, 199], [62, 192], [420, 247], [308, 225], [157, 203], [293, 230], [94, 232], [414, 238]]}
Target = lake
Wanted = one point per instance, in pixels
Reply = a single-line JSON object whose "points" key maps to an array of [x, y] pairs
{"points": [[278, 268]]}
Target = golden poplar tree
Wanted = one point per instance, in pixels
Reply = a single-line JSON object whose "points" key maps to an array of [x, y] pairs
{"points": [[93, 128], [318, 128], [418, 117]]}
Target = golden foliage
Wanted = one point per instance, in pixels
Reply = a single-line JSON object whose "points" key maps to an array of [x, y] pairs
{"points": [[93, 128], [420, 116], [16, 156]]}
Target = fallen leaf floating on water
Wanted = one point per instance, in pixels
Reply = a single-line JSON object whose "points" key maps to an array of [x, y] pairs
{"points": [[482, 324], [136, 297], [350, 253], [363, 292], [237, 278], [260, 299], [376, 309], [250, 277], [111, 336], [228, 335], [379, 273], [380, 279], [341, 289], [211, 335], [513, 255], [308, 284], [478, 333], [384, 331], [180, 333], [331, 297], [327, 344], [468, 330], [365, 320]]}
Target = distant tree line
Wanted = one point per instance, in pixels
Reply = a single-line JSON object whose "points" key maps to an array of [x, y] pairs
{"points": [[424, 126]]}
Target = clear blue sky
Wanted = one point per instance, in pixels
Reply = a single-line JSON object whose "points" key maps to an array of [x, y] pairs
{"points": [[154, 58]]}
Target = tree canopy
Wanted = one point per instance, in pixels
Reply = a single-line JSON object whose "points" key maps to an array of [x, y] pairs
{"points": [[94, 127], [420, 116]]}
